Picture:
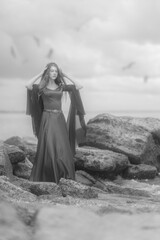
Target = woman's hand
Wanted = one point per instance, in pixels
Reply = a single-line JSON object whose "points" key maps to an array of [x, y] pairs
{"points": [[30, 83]]}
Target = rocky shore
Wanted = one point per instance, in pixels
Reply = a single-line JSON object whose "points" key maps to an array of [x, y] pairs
{"points": [[116, 194]]}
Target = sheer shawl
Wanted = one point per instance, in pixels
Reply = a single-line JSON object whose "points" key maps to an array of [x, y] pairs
{"points": [[75, 119]]}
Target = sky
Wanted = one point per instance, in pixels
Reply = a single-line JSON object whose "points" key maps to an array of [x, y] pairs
{"points": [[112, 47]]}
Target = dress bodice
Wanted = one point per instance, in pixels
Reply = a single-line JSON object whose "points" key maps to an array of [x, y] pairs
{"points": [[52, 99]]}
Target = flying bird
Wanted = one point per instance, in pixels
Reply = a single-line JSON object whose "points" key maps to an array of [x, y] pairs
{"points": [[25, 60], [12, 51], [37, 40], [128, 66], [145, 78], [50, 53]]}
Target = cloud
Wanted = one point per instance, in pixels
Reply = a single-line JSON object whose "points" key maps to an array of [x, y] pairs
{"points": [[91, 40], [99, 35]]}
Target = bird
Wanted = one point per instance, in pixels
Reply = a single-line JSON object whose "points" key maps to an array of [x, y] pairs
{"points": [[145, 78], [37, 40], [12, 51], [128, 66], [25, 60], [50, 53]]}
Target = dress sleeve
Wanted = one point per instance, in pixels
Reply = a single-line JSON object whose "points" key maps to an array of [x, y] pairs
{"points": [[75, 121], [34, 108], [67, 87]]}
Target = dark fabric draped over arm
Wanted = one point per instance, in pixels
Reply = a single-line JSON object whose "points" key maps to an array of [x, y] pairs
{"points": [[34, 108], [75, 121]]}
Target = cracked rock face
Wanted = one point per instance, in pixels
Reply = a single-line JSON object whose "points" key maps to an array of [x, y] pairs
{"points": [[133, 137], [105, 162]]}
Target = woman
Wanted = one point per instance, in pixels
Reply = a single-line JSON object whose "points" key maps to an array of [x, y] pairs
{"points": [[56, 140]]}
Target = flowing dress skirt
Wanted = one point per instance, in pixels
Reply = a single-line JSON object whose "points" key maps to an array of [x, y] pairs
{"points": [[54, 158]]}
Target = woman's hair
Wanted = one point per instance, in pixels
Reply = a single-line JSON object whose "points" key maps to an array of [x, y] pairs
{"points": [[45, 77]]}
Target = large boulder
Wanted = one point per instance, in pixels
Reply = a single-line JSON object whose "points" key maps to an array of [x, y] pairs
{"points": [[105, 162], [152, 125], [131, 136]]}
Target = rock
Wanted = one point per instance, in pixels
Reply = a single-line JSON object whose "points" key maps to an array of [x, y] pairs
{"points": [[14, 193], [29, 146], [61, 222], [72, 188], [22, 170], [5, 164], [85, 178], [26, 212], [15, 153], [122, 135], [11, 226], [16, 141], [109, 186], [42, 188], [28, 163], [67, 223], [102, 161], [152, 125], [31, 153], [141, 171], [113, 188]]}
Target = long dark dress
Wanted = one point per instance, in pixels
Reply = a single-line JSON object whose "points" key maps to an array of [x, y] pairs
{"points": [[54, 156]]}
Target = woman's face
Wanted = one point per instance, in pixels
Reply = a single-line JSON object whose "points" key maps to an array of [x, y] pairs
{"points": [[53, 73]]}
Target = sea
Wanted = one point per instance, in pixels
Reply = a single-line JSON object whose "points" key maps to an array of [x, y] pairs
{"points": [[19, 124]]}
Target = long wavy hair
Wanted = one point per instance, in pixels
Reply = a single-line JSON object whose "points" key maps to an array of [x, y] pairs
{"points": [[45, 77]]}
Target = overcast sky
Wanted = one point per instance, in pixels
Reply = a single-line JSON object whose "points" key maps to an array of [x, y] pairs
{"points": [[111, 46]]}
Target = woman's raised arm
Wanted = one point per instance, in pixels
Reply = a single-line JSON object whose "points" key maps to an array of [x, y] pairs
{"points": [[30, 82], [76, 83]]}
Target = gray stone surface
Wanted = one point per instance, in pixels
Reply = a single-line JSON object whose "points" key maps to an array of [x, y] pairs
{"points": [[22, 169], [5, 164], [75, 189], [68, 223], [85, 178], [12, 192], [11, 227], [15, 153], [15, 141], [102, 161], [42, 188], [126, 136], [141, 171], [28, 145]]}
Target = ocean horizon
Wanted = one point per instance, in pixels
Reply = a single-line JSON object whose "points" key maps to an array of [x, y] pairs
{"points": [[17, 123]]}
